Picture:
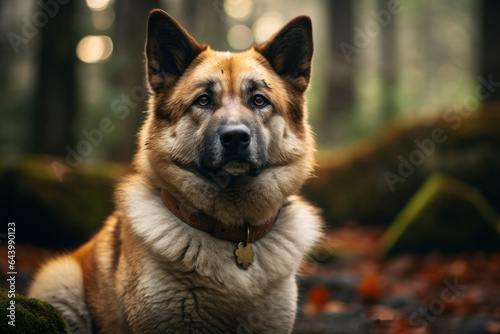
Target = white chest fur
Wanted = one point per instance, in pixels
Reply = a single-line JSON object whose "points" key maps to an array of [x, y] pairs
{"points": [[192, 278]]}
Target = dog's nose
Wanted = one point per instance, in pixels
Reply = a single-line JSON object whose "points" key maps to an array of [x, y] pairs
{"points": [[235, 137]]}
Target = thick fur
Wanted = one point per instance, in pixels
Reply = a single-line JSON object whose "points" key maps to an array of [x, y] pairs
{"points": [[148, 272]]}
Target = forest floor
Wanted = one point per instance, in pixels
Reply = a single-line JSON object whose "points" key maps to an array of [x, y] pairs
{"points": [[356, 290], [360, 291]]}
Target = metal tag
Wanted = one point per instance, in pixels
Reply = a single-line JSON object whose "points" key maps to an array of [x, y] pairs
{"points": [[244, 255]]}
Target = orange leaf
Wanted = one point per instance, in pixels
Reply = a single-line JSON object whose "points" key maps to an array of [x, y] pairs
{"points": [[371, 287], [319, 296]]}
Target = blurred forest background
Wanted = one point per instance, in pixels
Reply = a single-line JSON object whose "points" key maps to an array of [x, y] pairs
{"points": [[404, 101], [64, 66], [401, 90], [385, 75]]}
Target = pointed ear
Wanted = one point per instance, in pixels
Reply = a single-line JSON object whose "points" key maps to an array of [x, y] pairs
{"points": [[169, 49], [290, 52]]}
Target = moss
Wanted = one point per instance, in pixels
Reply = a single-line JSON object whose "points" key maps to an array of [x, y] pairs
{"points": [[444, 215], [351, 183], [53, 214], [32, 316]]}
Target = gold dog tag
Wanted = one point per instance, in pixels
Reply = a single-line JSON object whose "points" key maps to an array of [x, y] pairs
{"points": [[244, 253]]}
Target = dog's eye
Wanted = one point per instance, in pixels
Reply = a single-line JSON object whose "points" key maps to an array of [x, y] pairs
{"points": [[203, 101], [259, 100]]}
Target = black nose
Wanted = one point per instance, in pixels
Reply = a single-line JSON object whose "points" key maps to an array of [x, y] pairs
{"points": [[235, 137]]}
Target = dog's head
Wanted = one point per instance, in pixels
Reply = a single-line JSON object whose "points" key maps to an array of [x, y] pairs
{"points": [[232, 123]]}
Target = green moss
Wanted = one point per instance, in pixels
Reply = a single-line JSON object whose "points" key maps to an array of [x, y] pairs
{"points": [[351, 183], [444, 215], [32, 316], [56, 214]]}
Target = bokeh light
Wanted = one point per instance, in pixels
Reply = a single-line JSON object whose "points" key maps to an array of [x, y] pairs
{"points": [[239, 9], [97, 4], [266, 25], [93, 49], [240, 37]]}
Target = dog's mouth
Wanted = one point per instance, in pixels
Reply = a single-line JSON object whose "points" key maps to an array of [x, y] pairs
{"points": [[240, 167], [231, 169], [235, 168]]}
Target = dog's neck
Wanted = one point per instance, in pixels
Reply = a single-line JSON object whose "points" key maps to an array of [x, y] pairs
{"points": [[205, 223]]}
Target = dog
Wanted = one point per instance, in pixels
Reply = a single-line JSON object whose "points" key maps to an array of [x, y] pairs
{"points": [[209, 231]]}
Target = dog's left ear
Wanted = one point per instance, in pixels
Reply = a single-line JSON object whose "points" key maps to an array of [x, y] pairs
{"points": [[290, 52], [169, 49]]}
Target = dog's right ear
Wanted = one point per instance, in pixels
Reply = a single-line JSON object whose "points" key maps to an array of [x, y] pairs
{"points": [[169, 49]]}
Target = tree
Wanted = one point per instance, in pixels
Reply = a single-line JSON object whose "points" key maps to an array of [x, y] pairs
{"points": [[129, 33], [388, 63], [340, 78], [56, 104], [490, 46]]}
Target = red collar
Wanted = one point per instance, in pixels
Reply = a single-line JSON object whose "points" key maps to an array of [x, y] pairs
{"points": [[205, 223]]}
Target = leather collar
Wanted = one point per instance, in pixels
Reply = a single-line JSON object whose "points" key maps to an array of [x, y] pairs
{"points": [[205, 223]]}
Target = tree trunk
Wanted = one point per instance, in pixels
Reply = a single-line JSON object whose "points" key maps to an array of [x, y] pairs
{"points": [[341, 81], [340, 78], [490, 48], [388, 65], [56, 97], [129, 38]]}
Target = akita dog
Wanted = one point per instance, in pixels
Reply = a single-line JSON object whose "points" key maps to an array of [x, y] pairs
{"points": [[209, 232]]}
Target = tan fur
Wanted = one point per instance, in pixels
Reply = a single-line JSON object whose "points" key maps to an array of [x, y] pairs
{"points": [[148, 272]]}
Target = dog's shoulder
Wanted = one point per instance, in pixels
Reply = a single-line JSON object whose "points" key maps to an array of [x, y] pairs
{"points": [[301, 222], [298, 227]]}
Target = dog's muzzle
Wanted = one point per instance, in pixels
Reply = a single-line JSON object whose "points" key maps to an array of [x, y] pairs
{"points": [[235, 141], [235, 148]]}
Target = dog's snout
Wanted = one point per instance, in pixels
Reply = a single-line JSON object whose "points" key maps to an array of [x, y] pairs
{"points": [[235, 137]]}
